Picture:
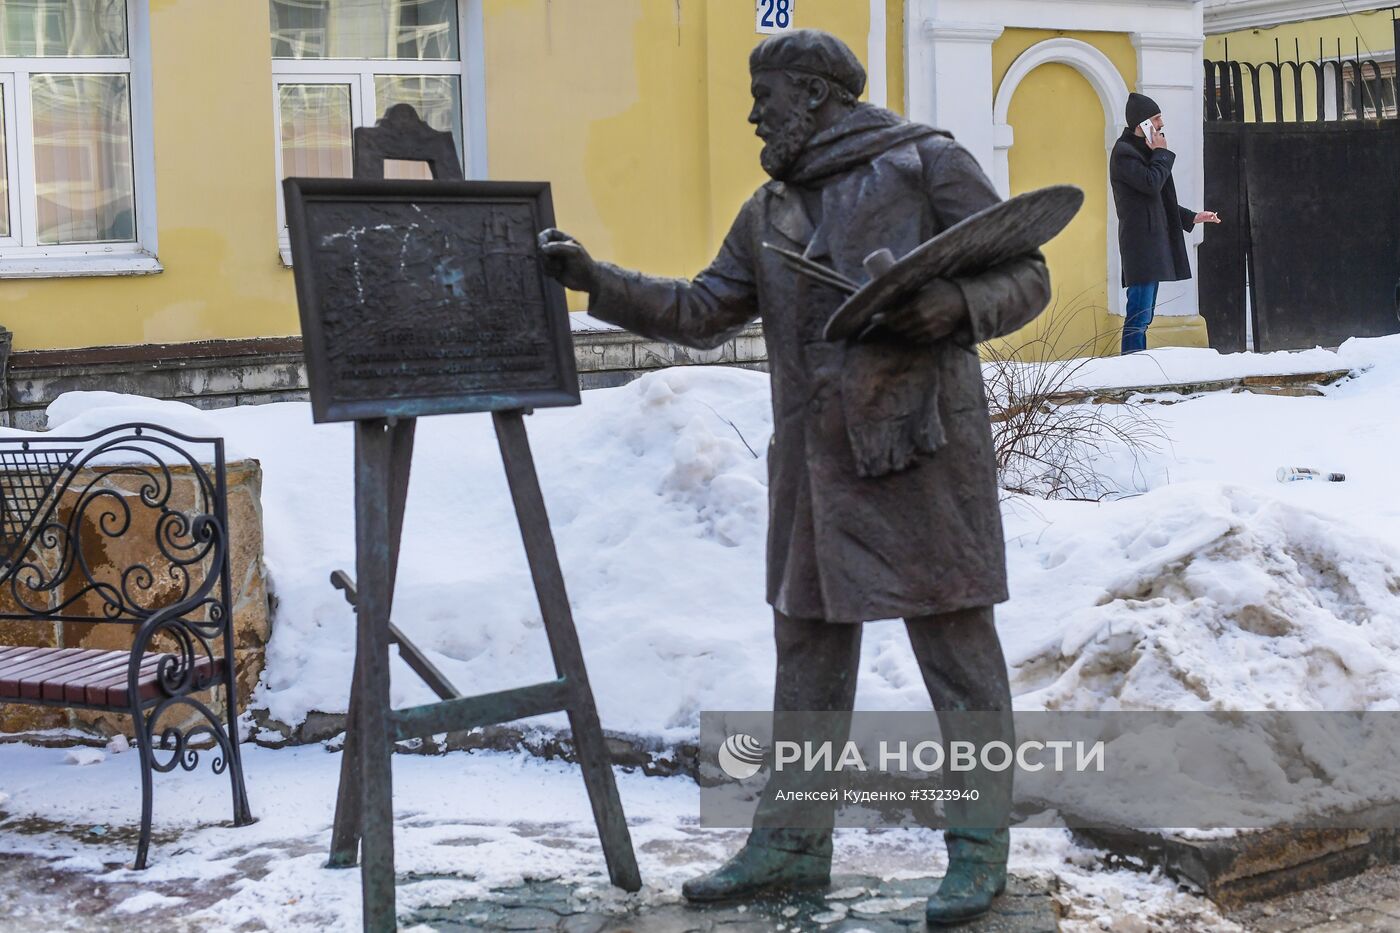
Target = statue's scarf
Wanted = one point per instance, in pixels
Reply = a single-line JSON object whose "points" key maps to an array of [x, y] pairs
{"points": [[889, 391], [866, 132]]}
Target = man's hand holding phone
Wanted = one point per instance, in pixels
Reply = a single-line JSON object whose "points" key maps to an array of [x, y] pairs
{"points": [[1156, 139]]}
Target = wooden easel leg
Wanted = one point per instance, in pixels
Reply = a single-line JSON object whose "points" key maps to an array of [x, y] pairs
{"points": [[375, 552], [345, 833], [345, 836], [563, 643]]}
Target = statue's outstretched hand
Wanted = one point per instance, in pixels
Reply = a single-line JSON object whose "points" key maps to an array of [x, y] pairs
{"points": [[565, 259]]}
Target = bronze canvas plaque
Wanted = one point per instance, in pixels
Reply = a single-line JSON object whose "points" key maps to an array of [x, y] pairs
{"points": [[423, 298]]}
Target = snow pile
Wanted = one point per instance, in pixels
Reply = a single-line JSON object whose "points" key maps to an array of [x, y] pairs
{"points": [[1202, 596], [658, 501], [1216, 589]]}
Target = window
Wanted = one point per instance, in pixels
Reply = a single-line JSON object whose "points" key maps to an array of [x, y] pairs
{"points": [[71, 189], [1378, 92], [339, 64]]}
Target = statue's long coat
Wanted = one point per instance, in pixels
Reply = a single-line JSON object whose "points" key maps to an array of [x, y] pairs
{"points": [[883, 499]]}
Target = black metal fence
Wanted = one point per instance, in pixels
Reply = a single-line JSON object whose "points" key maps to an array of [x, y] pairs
{"points": [[1322, 90], [1302, 160]]}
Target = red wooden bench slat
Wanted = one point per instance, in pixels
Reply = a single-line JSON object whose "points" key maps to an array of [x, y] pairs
{"points": [[58, 688], [86, 675], [115, 693], [75, 689], [149, 687], [11, 655], [31, 684], [16, 658], [95, 693], [38, 663], [37, 659]]}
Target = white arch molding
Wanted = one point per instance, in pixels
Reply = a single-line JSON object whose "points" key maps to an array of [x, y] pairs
{"points": [[1106, 81]]}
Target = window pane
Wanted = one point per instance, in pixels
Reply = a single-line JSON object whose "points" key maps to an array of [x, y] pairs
{"points": [[63, 28], [316, 129], [412, 30], [4, 173], [438, 100], [82, 158]]}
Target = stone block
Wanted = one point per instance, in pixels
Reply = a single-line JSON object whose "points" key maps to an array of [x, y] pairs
{"points": [[32, 718], [268, 398], [1253, 865], [108, 555], [724, 353], [212, 402], [41, 389], [656, 354], [34, 634], [608, 380], [750, 348], [28, 419], [251, 376], [604, 352]]}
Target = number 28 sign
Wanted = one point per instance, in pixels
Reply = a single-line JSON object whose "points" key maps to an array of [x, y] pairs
{"points": [[775, 15]]}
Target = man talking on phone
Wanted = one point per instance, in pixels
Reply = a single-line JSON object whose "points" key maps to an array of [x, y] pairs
{"points": [[1152, 226]]}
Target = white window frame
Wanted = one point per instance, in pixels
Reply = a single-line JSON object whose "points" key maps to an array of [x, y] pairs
{"points": [[1383, 58], [21, 256], [1387, 64], [7, 106], [359, 74]]}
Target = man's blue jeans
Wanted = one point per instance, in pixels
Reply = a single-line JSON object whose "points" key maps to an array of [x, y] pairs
{"points": [[1142, 304]]}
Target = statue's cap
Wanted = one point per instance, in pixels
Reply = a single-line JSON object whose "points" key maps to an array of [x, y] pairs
{"points": [[813, 51]]}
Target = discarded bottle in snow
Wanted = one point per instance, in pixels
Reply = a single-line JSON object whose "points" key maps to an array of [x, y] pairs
{"points": [[1298, 474]]}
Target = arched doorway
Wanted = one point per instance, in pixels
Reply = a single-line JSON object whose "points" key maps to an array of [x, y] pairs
{"points": [[1056, 115]]}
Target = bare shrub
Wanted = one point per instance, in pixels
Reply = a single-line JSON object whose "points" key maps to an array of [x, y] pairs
{"points": [[1051, 437]]}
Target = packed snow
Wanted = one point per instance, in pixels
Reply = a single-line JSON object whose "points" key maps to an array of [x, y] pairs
{"points": [[1203, 584], [1191, 366]]}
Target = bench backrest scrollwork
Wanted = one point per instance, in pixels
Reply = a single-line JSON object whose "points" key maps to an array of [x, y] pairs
{"points": [[115, 527]]}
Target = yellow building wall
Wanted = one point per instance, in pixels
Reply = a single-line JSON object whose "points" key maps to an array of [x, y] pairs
{"points": [[1059, 127], [635, 110], [215, 201], [894, 54], [1373, 32]]}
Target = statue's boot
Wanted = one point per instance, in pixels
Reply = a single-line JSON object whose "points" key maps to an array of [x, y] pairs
{"points": [[760, 866], [976, 875]]}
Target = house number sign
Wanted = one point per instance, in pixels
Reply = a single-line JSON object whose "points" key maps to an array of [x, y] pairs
{"points": [[775, 16]]}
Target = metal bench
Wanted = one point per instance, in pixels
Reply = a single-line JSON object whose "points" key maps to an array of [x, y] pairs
{"points": [[125, 527]]}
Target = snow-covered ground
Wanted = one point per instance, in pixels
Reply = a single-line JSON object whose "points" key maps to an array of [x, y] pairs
{"points": [[1204, 584]]}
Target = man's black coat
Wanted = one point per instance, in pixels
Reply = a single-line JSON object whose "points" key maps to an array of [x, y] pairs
{"points": [[1150, 221]]}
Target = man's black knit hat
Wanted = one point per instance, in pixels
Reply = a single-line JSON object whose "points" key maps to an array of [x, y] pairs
{"points": [[1141, 108]]}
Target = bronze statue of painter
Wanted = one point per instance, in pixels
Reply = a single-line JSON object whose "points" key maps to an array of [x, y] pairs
{"points": [[883, 493]]}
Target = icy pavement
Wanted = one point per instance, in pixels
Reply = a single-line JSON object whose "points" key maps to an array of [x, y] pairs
{"points": [[853, 902], [470, 829]]}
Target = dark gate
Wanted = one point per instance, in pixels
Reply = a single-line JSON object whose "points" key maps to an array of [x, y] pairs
{"points": [[1308, 185]]}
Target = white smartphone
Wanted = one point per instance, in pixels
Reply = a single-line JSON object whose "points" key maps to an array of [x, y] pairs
{"points": [[1149, 132]]}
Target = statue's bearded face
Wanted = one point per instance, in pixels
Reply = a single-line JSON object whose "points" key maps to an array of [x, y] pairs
{"points": [[783, 118]]}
